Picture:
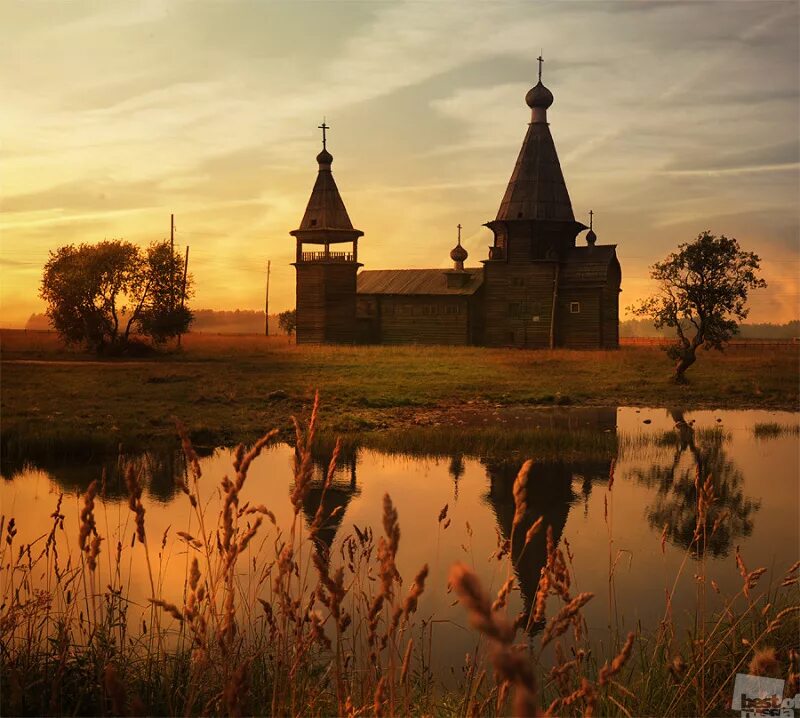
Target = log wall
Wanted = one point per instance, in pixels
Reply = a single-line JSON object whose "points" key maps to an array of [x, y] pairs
{"points": [[409, 319], [326, 302], [518, 302]]}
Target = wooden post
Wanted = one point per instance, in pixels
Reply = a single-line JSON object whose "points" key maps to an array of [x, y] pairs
{"points": [[553, 308], [172, 261], [183, 289], [266, 303]]}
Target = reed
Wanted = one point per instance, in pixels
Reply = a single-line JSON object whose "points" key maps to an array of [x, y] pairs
{"points": [[270, 621]]}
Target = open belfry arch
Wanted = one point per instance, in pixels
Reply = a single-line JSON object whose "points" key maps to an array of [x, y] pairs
{"points": [[536, 289]]}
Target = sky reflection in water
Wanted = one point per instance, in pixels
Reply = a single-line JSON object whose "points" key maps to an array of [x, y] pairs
{"points": [[757, 482]]}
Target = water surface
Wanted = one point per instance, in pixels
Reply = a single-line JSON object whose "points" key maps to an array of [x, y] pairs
{"points": [[643, 526]]}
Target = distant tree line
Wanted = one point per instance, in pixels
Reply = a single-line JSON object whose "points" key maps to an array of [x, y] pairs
{"points": [[251, 321], [645, 328], [235, 321]]}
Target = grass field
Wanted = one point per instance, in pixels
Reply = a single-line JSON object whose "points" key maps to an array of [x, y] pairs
{"points": [[231, 387]]}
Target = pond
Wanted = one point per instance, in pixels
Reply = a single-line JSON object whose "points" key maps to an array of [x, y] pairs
{"points": [[641, 527]]}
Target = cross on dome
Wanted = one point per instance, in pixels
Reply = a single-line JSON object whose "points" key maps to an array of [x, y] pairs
{"points": [[324, 127]]}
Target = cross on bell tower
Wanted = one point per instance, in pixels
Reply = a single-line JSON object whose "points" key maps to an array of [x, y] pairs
{"points": [[324, 128], [541, 62]]}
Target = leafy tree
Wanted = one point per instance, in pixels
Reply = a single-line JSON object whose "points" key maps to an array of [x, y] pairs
{"points": [[164, 313], [288, 321], [702, 295], [103, 293]]}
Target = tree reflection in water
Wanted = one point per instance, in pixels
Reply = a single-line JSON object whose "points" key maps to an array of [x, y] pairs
{"points": [[698, 455], [160, 471]]}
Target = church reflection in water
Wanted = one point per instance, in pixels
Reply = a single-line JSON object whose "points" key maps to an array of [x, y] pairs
{"points": [[553, 488], [334, 500]]}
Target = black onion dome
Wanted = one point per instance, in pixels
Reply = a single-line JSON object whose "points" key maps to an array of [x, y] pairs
{"points": [[591, 237], [539, 96], [458, 254], [325, 157]]}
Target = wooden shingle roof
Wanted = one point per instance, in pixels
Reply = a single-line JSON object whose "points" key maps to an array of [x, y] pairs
{"points": [[416, 282], [588, 265], [326, 218], [537, 189], [325, 209]]}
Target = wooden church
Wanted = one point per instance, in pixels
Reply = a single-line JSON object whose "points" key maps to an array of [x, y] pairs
{"points": [[536, 289]]}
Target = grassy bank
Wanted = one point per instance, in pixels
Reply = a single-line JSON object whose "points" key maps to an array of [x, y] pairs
{"points": [[268, 621], [229, 388]]}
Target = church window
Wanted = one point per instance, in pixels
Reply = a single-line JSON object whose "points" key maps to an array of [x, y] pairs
{"points": [[313, 222], [574, 307], [513, 309], [517, 281]]}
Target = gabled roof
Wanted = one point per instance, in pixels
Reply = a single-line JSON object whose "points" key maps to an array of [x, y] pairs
{"points": [[588, 265], [537, 189], [416, 282]]}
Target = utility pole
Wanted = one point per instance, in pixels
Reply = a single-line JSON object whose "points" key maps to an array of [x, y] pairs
{"points": [[172, 260], [266, 303], [183, 290]]}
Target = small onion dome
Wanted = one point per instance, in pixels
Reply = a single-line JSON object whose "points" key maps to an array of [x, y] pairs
{"points": [[591, 237], [324, 157], [458, 254], [539, 96]]}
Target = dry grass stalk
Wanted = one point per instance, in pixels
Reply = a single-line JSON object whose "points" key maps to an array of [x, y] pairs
{"points": [[792, 575], [502, 595], [568, 615], [303, 465], [533, 530], [88, 527], [764, 662], [793, 679], [410, 604], [607, 671], [406, 660], [379, 698], [479, 610], [135, 501], [520, 492], [235, 692]]}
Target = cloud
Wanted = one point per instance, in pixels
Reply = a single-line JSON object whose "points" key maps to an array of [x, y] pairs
{"points": [[669, 117]]}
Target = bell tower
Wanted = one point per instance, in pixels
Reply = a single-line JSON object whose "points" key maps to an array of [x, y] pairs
{"points": [[326, 280]]}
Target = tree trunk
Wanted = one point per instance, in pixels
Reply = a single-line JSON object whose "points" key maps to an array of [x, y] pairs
{"points": [[686, 360]]}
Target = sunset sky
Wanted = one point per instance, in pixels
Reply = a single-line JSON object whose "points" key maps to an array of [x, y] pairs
{"points": [[670, 118]]}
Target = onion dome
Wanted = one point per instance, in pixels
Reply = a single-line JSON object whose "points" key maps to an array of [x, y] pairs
{"points": [[591, 237], [539, 96], [325, 158], [458, 254]]}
